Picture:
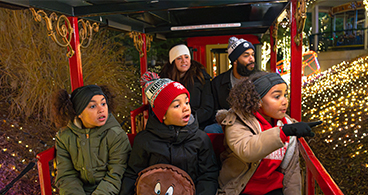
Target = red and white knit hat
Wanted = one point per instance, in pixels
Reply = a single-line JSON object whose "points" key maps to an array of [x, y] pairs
{"points": [[161, 92]]}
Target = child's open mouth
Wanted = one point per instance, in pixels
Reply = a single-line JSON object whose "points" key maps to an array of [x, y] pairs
{"points": [[101, 118], [186, 118]]}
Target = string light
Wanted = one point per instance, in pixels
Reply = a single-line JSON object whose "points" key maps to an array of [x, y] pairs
{"points": [[266, 55], [338, 96]]}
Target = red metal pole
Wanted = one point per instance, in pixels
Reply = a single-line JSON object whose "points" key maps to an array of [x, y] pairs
{"points": [[75, 62], [273, 52], [143, 70], [295, 69], [143, 60]]}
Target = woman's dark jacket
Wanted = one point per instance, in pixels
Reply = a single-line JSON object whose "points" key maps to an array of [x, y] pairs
{"points": [[185, 147], [201, 98]]}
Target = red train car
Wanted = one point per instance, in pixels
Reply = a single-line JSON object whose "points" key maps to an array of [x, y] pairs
{"points": [[206, 25]]}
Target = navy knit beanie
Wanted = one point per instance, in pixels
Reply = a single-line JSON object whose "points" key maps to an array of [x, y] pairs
{"points": [[236, 47]]}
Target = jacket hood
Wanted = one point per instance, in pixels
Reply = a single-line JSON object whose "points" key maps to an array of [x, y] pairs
{"points": [[220, 115], [171, 133], [76, 126]]}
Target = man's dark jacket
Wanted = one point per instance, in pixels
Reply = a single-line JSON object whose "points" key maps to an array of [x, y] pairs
{"points": [[185, 147], [221, 86]]}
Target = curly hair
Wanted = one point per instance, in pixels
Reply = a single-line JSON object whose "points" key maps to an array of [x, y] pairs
{"points": [[62, 110], [170, 71], [243, 97]]}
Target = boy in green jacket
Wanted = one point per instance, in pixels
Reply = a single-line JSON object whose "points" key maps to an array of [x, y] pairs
{"points": [[92, 149]]}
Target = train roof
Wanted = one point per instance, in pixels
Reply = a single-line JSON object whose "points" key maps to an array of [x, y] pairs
{"points": [[168, 19]]}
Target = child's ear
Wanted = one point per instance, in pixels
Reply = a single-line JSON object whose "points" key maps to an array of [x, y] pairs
{"points": [[260, 103], [80, 116], [164, 118]]}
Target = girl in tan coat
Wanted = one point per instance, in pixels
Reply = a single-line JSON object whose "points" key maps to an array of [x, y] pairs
{"points": [[261, 155]]}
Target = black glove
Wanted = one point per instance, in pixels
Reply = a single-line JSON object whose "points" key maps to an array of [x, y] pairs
{"points": [[300, 129]]}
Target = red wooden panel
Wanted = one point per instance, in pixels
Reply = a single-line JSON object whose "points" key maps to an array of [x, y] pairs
{"points": [[44, 171]]}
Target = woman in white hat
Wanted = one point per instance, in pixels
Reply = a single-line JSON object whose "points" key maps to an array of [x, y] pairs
{"points": [[193, 76]]}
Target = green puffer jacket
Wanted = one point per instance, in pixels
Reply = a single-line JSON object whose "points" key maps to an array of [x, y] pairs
{"points": [[91, 161]]}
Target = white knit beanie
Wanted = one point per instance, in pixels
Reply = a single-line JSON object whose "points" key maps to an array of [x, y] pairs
{"points": [[178, 51]]}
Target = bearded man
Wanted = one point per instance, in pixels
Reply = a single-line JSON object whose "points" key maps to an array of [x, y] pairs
{"points": [[241, 55]]}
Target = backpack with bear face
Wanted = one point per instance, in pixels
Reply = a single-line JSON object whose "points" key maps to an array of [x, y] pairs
{"points": [[164, 179]]}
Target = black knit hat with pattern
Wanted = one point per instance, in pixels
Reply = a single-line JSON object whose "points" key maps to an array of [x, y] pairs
{"points": [[236, 47]]}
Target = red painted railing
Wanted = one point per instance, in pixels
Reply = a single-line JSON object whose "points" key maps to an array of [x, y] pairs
{"points": [[316, 172], [43, 166], [134, 113]]}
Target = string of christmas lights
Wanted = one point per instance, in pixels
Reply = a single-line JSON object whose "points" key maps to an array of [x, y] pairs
{"points": [[338, 97]]}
